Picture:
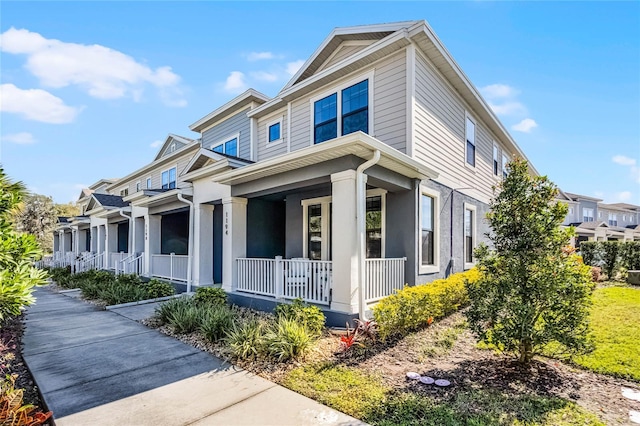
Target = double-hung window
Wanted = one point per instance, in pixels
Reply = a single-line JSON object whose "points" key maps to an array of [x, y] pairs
{"points": [[613, 219], [349, 107], [470, 134], [587, 214], [374, 227], [496, 160], [469, 234], [229, 147], [124, 192], [148, 183], [138, 186], [169, 179]]}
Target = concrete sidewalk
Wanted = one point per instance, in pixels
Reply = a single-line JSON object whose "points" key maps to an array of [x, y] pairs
{"points": [[103, 368]]}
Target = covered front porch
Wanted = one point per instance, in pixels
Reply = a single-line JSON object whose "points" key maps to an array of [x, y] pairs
{"points": [[334, 225]]}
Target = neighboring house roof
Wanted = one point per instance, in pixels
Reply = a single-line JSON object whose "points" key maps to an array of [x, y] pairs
{"points": [[634, 227], [106, 200], [623, 206], [234, 105], [172, 140], [563, 196], [577, 197], [590, 225], [389, 38], [64, 219], [204, 155]]}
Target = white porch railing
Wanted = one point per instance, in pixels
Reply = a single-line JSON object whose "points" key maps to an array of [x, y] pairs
{"points": [[170, 266], [382, 277], [92, 261], [115, 258], [130, 265], [309, 280]]}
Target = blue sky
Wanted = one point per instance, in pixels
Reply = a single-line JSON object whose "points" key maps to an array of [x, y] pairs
{"points": [[89, 88]]}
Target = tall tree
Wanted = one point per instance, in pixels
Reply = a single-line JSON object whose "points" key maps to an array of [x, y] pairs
{"points": [[18, 250], [36, 216], [67, 210], [532, 291]]}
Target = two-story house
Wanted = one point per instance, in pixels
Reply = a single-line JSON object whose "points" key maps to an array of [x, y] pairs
{"points": [[372, 168]]}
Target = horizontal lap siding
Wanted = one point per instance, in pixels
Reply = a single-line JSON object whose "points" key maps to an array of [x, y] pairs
{"points": [[156, 174], [269, 150], [227, 129], [389, 105], [440, 132]]}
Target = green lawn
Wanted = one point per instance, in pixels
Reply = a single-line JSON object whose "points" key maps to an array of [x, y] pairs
{"points": [[366, 398], [615, 324]]}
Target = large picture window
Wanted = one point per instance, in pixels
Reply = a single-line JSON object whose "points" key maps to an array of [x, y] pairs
{"points": [[169, 179], [229, 147], [341, 113]]}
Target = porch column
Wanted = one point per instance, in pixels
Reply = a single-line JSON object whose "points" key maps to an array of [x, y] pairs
{"points": [[74, 241], [56, 241], [102, 239], [345, 261], [94, 239], [138, 237], [151, 240], [62, 242], [112, 242], [234, 240], [203, 245]]}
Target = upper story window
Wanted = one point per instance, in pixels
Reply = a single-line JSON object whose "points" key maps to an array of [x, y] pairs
{"points": [[624, 217], [138, 186], [571, 210], [148, 183], [349, 105], [496, 160], [505, 161], [229, 147], [599, 215], [274, 132], [470, 135], [613, 219], [587, 214], [169, 179], [124, 192]]}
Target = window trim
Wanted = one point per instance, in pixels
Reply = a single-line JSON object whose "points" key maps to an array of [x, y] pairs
{"points": [[149, 182], [268, 125], [584, 216], [469, 117], [223, 141], [337, 89], [474, 232], [124, 191], [138, 186], [435, 268], [175, 166], [326, 205], [496, 152]]}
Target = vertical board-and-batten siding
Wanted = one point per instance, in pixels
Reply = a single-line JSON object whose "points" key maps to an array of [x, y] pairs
{"points": [[238, 123], [440, 132], [389, 104], [269, 150]]}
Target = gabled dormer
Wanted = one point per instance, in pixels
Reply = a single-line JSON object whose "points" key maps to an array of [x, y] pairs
{"points": [[172, 144]]}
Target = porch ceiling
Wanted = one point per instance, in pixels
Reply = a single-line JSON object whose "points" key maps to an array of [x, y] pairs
{"points": [[164, 197], [358, 144]]}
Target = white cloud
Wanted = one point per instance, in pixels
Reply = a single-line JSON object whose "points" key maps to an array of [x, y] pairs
{"points": [[293, 67], [264, 76], [260, 56], [36, 105], [235, 83], [494, 91], [624, 160], [508, 108], [624, 196], [598, 194], [102, 72], [22, 138], [525, 125], [156, 144]]}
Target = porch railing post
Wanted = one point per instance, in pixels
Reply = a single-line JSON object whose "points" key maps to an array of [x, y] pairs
{"points": [[279, 277], [171, 265]]}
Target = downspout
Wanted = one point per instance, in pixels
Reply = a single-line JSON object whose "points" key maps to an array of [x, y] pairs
{"points": [[190, 248], [360, 225]]}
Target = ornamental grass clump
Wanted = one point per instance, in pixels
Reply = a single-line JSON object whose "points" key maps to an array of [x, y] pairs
{"points": [[416, 307], [216, 321], [287, 339], [246, 340]]}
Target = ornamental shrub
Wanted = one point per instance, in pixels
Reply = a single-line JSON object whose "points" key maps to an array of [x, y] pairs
{"points": [[310, 316], [217, 320], [157, 288], [210, 296], [610, 259], [630, 255], [416, 307], [591, 253]]}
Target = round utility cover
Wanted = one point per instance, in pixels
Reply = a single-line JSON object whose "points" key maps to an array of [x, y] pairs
{"points": [[427, 380], [442, 382], [413, 376]]}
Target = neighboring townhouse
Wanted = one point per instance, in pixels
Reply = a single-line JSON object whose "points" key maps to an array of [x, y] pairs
{"points": [[597, 221], [372, 168]]}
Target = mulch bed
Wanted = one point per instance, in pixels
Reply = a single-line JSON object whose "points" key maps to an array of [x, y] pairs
{"points": [[11, 330]]}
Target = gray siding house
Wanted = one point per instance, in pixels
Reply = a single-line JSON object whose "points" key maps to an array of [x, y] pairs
{"points": [[372, 168]]}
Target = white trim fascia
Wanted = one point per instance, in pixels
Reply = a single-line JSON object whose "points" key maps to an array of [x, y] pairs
{"points": [[171, 138], [224, 108], [411, 98], [210, 170], [346, 43], [287, 92], [202, 152], [337, 90], [356, 138], [435, 195], [267, 125], [474, 233], [149, 167]]}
